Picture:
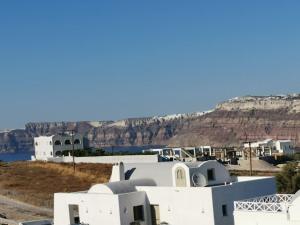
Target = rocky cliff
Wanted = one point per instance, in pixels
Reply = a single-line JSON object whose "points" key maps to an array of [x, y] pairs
{"points": [[254, 117]]}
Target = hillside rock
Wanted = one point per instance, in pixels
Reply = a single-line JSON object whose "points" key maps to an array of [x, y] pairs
{"points": [[252, 117]]}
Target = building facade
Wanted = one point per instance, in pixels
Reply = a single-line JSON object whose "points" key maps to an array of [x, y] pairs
{"points": [[161, 193], [53, 146], [187, 154], [271, 147]]}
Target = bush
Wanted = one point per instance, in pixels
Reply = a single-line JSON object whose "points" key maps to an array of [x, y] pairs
{"points": [[288, 180]]}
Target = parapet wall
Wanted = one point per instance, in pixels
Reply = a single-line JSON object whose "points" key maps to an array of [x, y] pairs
{"points": [[108, 159]]}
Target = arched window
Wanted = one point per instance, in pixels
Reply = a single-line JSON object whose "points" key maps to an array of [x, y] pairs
{"points": [[57, 142], [76, 142], [179, 174], [67, 142], [180, 177]]}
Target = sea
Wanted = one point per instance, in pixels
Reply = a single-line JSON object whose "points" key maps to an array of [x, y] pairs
{"points": [[23, 156], [19, 156]]}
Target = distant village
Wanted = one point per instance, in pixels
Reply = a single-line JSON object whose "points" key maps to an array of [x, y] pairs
{"points": [[59, 148]]}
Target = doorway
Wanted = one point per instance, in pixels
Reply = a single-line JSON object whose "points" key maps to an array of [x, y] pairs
{"points": [[155, 214]]}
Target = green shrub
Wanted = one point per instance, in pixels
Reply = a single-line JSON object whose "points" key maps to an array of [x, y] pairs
{"points": [[288, 180]]}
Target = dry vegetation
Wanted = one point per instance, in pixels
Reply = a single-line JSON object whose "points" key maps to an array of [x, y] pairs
{"points": [[254, 173], [36, 182]]}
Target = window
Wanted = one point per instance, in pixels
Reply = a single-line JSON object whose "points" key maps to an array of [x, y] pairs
{"points": [[177, 152], [36, 144], [67, 142], [50, 142], [76, 142], [138, 213], [211, 174], [74, 214], [180, 177], [179, 174], [57, 142], [224, 210]]}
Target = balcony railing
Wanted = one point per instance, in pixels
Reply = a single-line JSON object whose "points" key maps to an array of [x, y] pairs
{"points": [[269, 203]]}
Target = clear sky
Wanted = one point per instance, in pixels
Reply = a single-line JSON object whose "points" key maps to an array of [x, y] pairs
{"points": [[99, 60]]}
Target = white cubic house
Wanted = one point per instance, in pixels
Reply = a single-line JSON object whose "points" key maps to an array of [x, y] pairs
{"points": [[52, 146], [174, 193], [279, 209], [270, 147]]}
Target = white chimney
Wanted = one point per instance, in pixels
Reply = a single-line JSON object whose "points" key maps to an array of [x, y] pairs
{"points": [[117, 172]]}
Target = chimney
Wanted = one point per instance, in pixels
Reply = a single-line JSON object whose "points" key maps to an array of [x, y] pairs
{"points": [[117, 172]]}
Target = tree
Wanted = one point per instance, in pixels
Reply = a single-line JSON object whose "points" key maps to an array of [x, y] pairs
{"points": [[288, 180]]}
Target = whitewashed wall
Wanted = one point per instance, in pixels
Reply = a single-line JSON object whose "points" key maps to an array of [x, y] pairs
{"points": [[203, 205], [108, 159]]}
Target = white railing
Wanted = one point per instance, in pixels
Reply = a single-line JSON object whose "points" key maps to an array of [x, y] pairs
{"points": [[269, 203]]}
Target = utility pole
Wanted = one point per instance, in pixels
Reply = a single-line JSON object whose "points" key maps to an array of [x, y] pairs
{"points": [[250, 157], [250, 152], [73, 150]]}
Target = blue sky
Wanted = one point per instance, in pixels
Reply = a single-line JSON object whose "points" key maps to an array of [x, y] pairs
{"points": [[100, 60]]}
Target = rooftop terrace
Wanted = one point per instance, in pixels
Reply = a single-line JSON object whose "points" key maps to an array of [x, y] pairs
{"points": [[269, 203]]}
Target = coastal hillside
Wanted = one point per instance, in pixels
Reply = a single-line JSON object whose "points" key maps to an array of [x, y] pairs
{"points": [[254, 117]]}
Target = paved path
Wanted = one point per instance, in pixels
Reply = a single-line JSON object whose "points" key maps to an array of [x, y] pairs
{"points": [[16, 211]]}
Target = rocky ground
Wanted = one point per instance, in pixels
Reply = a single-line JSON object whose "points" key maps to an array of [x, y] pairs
{"points": [[27, 190], [12, 211], [257, 165]]}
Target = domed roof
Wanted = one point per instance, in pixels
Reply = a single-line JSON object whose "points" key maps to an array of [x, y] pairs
{"points": [[120, 187]]}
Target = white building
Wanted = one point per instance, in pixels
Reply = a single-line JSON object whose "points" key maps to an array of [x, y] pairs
{"points": [[187, 154], [284, 147], [51, 146], [273, 209], [161, 193], [270, 147]]}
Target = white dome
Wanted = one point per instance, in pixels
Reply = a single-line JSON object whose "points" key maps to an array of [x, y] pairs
{"points": [[120, 187]]}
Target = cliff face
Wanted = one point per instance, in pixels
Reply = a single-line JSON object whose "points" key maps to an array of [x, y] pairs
{"points": [[257, 118], [291, 103]]}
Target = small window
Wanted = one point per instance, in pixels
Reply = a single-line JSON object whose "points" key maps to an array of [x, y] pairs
{"points": [[210, 174], [76, 142], [74, 214], [224, 210], [67, 142], [57, 142], [138, 213], [179, 174], [50, 142], [36, 144]]}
